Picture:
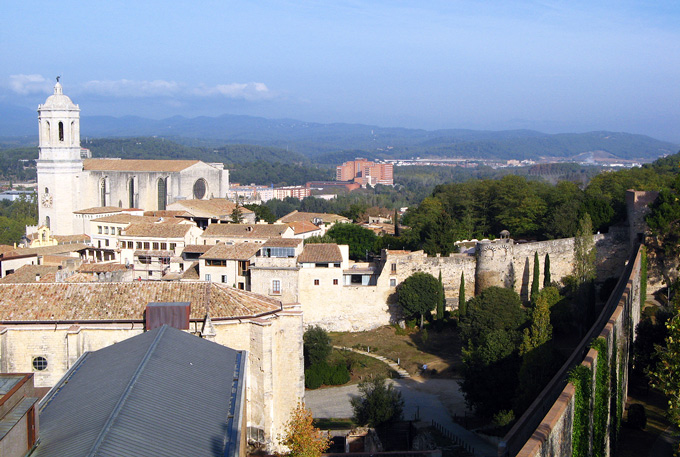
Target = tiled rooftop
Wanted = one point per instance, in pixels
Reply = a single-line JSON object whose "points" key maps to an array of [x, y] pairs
{"points": [[282, 243], [320, 253], [27, 274], [124, 301], [136, 165], [131, 219], [296, 216], [245, 230], [300, 227], [213, 208], [99, 210], [197, 248], [100, 267], [238, 251], [158, 230], [45, 250]]}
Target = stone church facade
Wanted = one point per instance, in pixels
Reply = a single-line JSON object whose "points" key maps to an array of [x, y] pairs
{"points": [[69, 182]]}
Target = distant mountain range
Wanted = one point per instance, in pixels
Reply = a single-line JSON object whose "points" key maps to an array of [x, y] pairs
{"points": [[333, 143]]}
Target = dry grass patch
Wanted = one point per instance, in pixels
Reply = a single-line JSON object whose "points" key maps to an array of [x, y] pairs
{"points": [[440, 350]]}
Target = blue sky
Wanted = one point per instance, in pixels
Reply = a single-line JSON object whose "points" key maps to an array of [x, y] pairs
{"points": [[553, 66]]}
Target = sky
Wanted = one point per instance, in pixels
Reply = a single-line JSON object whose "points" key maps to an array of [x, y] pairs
{"points": [[552, 66]]}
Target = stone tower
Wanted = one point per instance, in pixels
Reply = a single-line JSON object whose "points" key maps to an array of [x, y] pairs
{"points": [[59, 163]]}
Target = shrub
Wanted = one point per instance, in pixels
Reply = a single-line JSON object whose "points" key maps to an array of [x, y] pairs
{"points": [[637, 416], [379, 403], [503, 418], [317, 346], [338, 375], [315, 376]]}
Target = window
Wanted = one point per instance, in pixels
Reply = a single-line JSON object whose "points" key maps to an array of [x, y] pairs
{"points": [[144, 259], [200, 189], [243, 267], [61, 131], [241, 286], [165, 260], [224, 278], [162, 193], [278, 252], [119, 230], [102, 192], [215, 262], [131, 193], [146, 245], [99, 229], [155, 246], [394, 268], [106, 230], [276, 287], [207, 277], [39, 363], [106, 242], [316, 282], [139, 245], [335, 282], [164, 246], [393, 282], [172, 246], [336, 265]]}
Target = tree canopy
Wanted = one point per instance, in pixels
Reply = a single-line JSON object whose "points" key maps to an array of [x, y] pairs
{"points": [[419, 294], [378, 403]]}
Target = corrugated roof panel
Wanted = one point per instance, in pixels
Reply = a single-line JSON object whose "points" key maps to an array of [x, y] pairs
{"points": [[172, 400]]}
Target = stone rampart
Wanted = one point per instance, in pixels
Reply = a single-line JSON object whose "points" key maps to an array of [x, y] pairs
{"points": [[546, 428]]}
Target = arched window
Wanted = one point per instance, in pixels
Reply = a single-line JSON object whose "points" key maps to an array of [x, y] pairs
{"points": [[61, 131], [47, 191], [162, 193], [73, 132], [47, 221], [131, 193], [47, 131], [102, 192]]}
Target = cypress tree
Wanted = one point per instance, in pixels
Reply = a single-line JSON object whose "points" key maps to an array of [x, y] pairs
{"points": [[396, 226], [546, 273], [442, 299], [535, 283], [461, 296]]}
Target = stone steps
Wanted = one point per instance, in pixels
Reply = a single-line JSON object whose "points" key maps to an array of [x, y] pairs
{"points": [[391, 363]]}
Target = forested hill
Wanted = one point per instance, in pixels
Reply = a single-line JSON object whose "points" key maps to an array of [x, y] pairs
{"points": [[322, 142]]}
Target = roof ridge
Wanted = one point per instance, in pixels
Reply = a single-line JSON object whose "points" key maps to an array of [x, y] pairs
{"points": [[126, 393]]}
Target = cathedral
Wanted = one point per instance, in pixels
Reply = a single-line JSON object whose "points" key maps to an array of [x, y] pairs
{"points": [[69, 180]]}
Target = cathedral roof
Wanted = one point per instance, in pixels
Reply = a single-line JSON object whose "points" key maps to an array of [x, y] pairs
{"points": [[80, 302], [137, 165]]}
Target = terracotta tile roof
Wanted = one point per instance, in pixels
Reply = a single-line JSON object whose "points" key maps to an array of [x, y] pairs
{"points": [[191, 273], [6, 248], [213, 208], [27, 274], [197, 248], [154, 253], [397, 251], [320, 253], [297, 216], [124, 301], [45, 250], [238, 251], [100, 267], [300, 227], [245, 230], [99, 210], [129, 219], [158, 230], [282, 243], [66, 239], [136, 165], [167, 213], [81, 277]]}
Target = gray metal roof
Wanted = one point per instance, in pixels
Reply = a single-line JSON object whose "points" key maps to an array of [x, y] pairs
{"points": [[161, 393]]}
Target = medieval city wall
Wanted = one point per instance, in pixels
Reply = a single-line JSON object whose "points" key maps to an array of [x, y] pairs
{"points": [[553, 434]]}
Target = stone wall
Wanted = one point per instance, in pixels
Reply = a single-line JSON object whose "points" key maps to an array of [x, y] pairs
{"points": [[553, 435]]}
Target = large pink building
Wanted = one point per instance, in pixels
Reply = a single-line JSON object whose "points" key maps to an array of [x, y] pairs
{"points": [[365, 172]]}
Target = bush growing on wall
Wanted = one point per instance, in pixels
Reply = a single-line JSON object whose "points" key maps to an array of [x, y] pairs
{"points": [[581, 377]]}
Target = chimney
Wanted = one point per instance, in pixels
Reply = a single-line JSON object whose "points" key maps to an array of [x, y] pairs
{"points": [[37, 277]]}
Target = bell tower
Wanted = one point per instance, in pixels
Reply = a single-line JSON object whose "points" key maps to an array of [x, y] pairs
{"points": [[59, 163]]}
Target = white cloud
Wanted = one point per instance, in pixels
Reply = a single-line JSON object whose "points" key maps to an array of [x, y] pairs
{"points": [[246, 91], [131, 88], [29, 84]]}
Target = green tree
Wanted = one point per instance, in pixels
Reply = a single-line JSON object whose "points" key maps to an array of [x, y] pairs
{"points": [[262, 213], [316, 346], [442, 299], [396, 223], [378, 403], [536, 279], [496, 308], [301, 437], [360, 240], [546, 271], [461, 296], [584, 251], [418, 294], [236, 215]]}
